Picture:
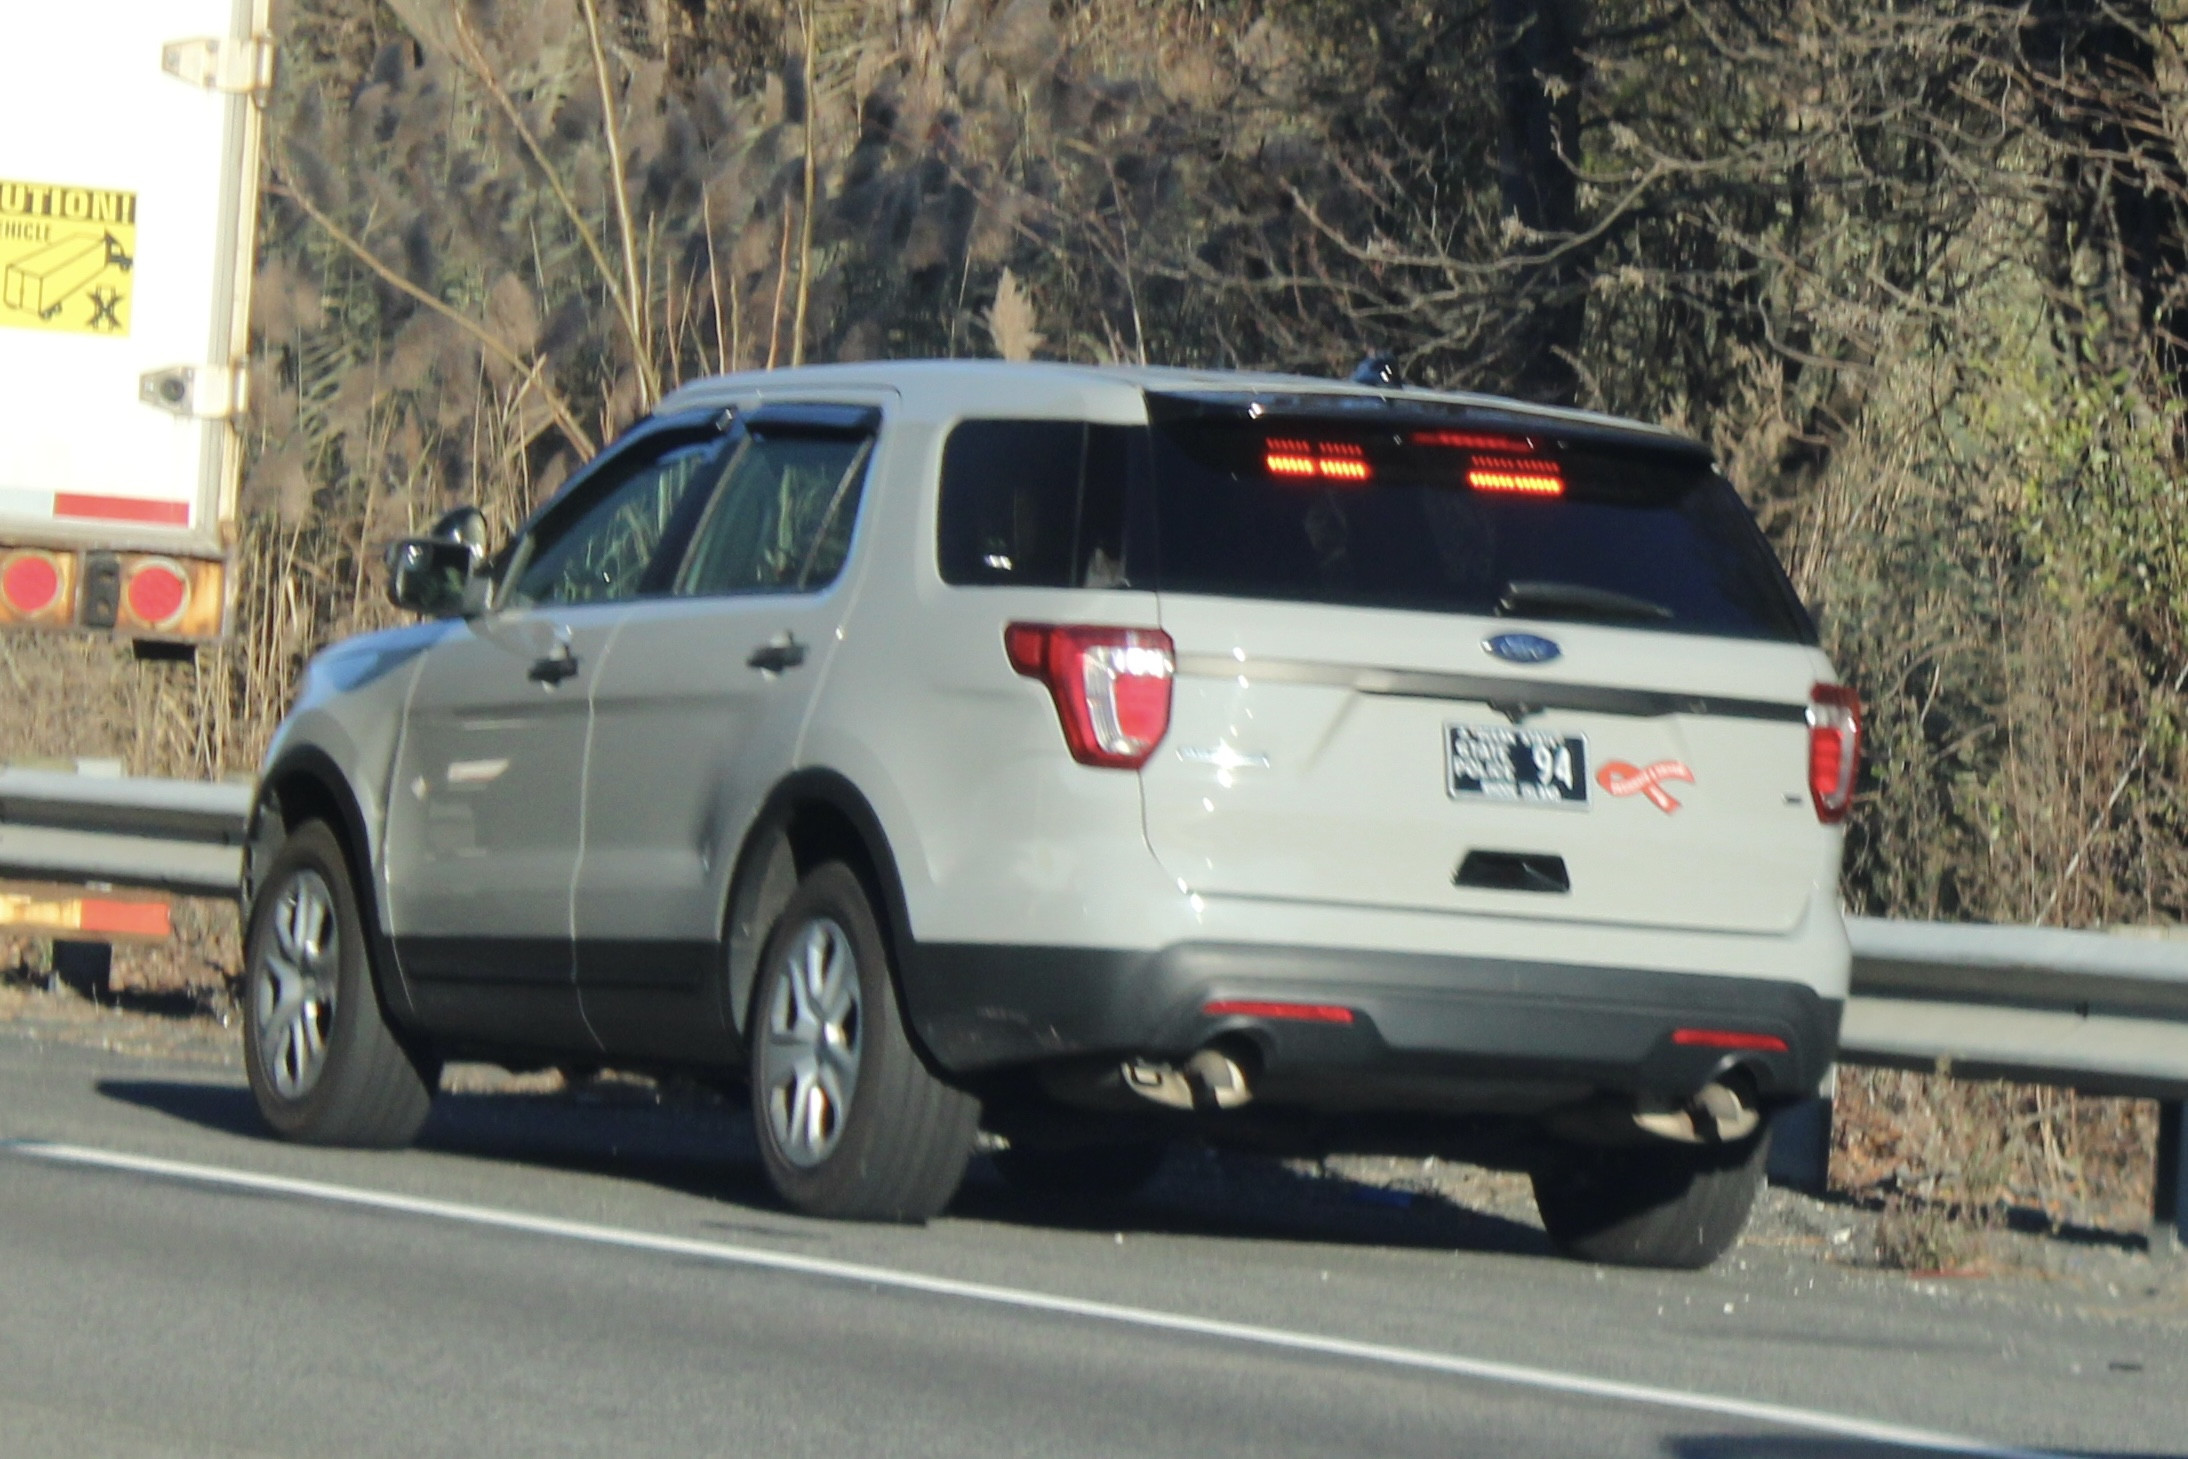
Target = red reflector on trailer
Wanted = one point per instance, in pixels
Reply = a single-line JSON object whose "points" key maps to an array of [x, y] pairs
{"points": [[121, 509], [1515, 474], [1292, 1012], [1727, 1038], [157, 593], [29, 583]]}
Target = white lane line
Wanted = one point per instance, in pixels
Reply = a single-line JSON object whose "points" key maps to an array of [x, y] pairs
{"points": [[1548, 1380]]}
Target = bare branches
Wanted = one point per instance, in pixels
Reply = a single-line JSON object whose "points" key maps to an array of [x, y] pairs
{"points": [[532, 372]]}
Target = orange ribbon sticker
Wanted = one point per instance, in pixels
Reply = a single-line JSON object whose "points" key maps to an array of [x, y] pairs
{"points": [[1619, 778]]}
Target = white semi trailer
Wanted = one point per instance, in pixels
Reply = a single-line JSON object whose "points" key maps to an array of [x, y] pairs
{"points": [[129, 181]]}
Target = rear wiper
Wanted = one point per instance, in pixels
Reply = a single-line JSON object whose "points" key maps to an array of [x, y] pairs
{"points": [[1574, 600]]}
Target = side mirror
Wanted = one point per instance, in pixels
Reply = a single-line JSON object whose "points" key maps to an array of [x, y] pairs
{"points": [[428, 576], [438, 575]]}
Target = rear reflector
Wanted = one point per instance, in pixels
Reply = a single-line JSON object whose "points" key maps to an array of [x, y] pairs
{"points": [[154, 594], [1834, 750], [30, 583], [1111, 686], [1728, 1038], [121, 509], [1290, 1012]]}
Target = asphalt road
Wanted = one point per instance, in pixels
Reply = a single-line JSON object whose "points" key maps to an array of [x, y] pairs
{"points": [[544, 1277]]}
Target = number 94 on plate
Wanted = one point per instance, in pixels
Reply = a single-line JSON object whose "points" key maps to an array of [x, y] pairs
{"points": [[1505, 762]]}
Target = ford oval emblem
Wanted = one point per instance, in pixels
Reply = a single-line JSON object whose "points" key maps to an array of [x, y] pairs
{"points": [[1522, 648]]}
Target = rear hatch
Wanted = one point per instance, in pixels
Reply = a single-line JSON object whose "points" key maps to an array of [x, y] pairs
{"points": [[1474, 665]]}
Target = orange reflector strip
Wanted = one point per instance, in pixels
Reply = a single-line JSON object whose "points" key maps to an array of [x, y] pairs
{"points": [[101, 916], [1294, 1012], [1726, 1038], [126, 919]]}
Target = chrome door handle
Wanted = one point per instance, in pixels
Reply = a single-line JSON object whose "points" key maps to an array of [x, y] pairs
{"points": [[772, 658], [551, 669]]}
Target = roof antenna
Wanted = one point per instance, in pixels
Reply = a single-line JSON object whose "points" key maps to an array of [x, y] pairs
{"points": [[1379, 369]]}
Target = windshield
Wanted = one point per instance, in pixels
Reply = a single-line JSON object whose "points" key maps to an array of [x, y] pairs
{"points": [[1450, 521]]}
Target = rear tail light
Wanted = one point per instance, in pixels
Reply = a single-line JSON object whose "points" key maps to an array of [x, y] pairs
{"points": [[1834, 750], [1111, 686]]}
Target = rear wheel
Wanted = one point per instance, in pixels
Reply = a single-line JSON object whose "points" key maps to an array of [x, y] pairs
{"points": [[850, 1121], [1081, 1174], [1661, 1205], [324, 1066]]}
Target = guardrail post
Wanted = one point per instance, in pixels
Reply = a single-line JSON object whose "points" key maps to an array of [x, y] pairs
{"points": [[2169, 1209], [1800, 1147]]}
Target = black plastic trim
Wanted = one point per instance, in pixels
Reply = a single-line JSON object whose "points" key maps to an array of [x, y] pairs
{"points": [[985, 1006]]}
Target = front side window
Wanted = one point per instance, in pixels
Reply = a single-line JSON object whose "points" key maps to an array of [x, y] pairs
{"points": [[781, 522], [606, 547]]}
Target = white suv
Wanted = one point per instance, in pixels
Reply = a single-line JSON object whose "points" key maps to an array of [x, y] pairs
{"points": [[1103, 756]]}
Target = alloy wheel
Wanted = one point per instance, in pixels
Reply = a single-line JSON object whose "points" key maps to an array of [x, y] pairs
{"points": [[809, 1049], [293, 985]]}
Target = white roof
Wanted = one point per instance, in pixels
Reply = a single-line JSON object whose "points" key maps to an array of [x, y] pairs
{"points": [[945, 390]]}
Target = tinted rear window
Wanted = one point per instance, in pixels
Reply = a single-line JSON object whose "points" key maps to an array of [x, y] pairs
{"points": [[1033, 503], [1457, 522]]}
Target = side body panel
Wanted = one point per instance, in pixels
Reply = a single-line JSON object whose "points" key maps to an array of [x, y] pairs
{"points": [[689, 738]]}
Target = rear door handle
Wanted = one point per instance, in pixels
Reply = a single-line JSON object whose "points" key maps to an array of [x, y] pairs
{"points": [[552, 668], [784, 653]]}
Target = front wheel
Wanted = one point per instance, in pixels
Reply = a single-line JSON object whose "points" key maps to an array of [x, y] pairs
{"points": [[1659, 1205], [324, 1067], [850, 1121]]}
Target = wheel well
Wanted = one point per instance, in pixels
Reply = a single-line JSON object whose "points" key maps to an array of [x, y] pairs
{"points": [[310, 791], [813, 820]]}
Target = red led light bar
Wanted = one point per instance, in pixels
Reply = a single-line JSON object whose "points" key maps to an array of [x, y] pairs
{"points": [[1527, 477], [1726, 1038], [1292, 1012], [1472, 441], [1328, 460]]}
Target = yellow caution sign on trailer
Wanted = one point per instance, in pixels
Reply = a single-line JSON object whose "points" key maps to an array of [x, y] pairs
{"points": [[66, 257]]}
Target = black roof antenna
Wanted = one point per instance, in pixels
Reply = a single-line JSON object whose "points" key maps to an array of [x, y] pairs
{"points": [[1379, 369]]}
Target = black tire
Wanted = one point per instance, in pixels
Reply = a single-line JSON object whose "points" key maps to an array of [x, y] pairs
{"points": [[1081, 1175], [850, 1121], [324, 1066], [1661, 1205]]}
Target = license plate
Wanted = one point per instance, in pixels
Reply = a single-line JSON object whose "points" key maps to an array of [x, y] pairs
{"points": [[1505, 762]]}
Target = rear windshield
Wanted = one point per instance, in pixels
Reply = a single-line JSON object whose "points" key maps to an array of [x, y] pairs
{"points": [[1455, 521]]}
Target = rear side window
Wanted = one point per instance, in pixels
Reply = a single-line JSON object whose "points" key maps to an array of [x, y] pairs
{"points": [[1454, 521], [1033, 503], [781, 522]]}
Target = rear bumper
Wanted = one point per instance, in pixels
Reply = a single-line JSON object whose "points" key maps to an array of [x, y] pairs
{"points": [[1427, 1030]]}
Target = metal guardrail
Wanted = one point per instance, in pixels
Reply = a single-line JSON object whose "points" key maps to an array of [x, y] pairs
{"points": [[2104, 1012], [177, 835]]}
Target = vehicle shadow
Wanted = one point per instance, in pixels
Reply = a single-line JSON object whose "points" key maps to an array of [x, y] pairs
{"points": [[704, 1148], [1824, 1446]]}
